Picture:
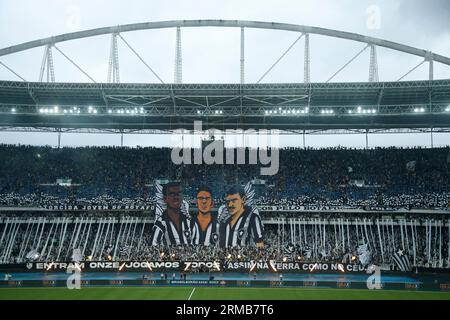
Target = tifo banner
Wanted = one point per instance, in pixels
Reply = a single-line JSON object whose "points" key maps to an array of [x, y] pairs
{"points": [[261, 208], [146, 207], [187, 266]]}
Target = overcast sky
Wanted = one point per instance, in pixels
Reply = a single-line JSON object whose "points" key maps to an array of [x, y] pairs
{"points": [[211, 55]]}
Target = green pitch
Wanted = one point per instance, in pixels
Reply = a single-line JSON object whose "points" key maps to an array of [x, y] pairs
{"points": [[204, 293]]}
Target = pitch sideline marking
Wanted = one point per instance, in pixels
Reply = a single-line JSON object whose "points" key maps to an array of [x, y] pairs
{"points": [[192, 292]]}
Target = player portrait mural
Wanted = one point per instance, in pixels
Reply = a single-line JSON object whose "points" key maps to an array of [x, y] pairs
{"points": [[172, 219], [236, 223]]}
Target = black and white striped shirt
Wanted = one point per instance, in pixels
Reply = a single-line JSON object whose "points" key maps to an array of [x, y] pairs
{"points": [[165, 232], [208, 237], [248, 230]]}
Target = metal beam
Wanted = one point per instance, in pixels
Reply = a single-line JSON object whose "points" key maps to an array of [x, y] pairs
{"points": [[178, 70], [373, 67], [242, 56], [307, 62], [113, 66], [186, 131], [11, 70], [72, 62], [225, 23], [140, 58], [280, 58]]}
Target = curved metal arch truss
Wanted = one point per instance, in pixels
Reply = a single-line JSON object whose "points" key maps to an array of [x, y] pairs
{"points": [[226, 23], [304, 31], [291, 107]]}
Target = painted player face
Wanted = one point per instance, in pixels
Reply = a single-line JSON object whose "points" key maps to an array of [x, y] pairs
{"points": [[234, 203], [174, 197], [204, 202]]}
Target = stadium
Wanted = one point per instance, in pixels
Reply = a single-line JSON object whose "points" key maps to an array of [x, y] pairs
{"points": [[205, 220]]}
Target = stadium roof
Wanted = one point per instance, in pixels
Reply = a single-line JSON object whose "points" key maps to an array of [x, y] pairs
{"points": [[291, 106]]}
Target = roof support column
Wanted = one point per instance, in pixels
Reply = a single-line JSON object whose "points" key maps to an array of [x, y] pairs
{"points": [[47, 65], [113, 68], [431, 70], [307, 62], [373, 68], [431, 137], [367, 138], [242, 57], [59, 138], [178, 72]]}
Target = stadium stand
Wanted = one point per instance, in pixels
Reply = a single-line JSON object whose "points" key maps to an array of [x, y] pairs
{"points": [[349, 179]]}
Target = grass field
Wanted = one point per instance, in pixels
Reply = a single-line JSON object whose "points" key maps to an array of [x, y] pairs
{"points": [[205, 293]]}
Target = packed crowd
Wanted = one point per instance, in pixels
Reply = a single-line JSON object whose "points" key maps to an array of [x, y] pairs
{"points": [[392, 177], [306, 238]]}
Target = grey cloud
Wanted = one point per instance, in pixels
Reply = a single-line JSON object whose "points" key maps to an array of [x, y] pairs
{"points": [[431, 16]]}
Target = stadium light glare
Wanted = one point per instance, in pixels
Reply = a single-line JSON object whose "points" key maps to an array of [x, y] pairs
{"points": [[95, 110], [350, 111], [41, 110], [56, 109], [13, 110]]}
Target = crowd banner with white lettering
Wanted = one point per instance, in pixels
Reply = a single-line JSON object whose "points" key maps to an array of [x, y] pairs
{"points": [[261, 208], [188, 266]]}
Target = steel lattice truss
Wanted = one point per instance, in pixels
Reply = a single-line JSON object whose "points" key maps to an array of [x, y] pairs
{"points": [[227, 106], [294, 107]]}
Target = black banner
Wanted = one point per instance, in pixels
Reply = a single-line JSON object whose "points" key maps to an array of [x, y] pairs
{"points": [[187, 266]]}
